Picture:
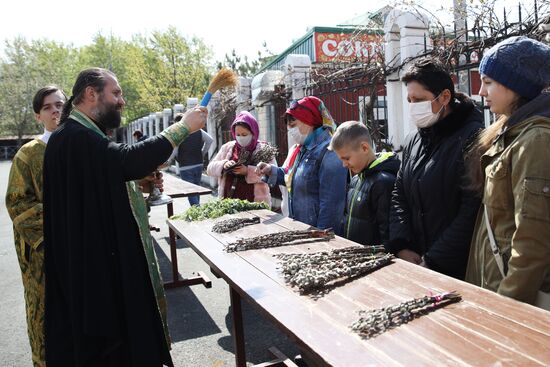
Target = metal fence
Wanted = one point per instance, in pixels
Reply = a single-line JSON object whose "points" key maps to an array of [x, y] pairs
{"points": [[8, 152], [355, 98], [463, 48]]}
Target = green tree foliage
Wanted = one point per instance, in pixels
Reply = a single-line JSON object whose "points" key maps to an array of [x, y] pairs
{"points": [[243, 66], [155, 72], [17, 88], [54, 63], [124, 59], [182, 65], [28, 66]]}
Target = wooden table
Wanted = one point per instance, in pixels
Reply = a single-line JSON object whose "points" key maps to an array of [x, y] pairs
{"points": [[175, 187], [484, 329]]}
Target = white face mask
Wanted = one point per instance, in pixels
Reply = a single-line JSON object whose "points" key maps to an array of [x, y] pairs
{"points": [[295, 136], [244, 141], [421, 113]]}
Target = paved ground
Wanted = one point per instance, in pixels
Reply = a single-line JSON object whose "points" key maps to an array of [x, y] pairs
{"points": [[198, 318]]}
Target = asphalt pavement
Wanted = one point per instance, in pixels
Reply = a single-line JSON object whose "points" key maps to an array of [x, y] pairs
{"points": [[199, 319]]}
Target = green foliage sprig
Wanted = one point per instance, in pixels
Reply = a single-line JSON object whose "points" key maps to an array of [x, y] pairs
{"points": [[217, 208]]}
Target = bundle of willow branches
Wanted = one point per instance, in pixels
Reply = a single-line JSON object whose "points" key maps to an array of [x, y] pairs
{"points": [[374, 322], [265, 154], [232, 224], [279, 239], [318, 270]]}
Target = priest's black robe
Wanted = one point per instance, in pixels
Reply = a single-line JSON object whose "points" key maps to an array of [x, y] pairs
{"points": [[100, 302]]}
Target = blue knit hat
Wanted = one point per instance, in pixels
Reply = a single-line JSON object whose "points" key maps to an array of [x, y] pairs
{"points": [[520, 64]]}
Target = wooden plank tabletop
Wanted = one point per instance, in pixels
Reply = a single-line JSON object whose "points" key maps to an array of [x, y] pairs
{"points": [[175, 187], [483, 329]]}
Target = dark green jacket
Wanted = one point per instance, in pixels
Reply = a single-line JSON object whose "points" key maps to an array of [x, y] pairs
{"points": [[517, 196]]}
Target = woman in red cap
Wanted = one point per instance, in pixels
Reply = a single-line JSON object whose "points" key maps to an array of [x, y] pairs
{"points": [[237, 177], [315, 177]]}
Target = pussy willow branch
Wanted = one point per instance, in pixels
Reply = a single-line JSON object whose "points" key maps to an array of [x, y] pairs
{"points": [[265, 154], [232, 224], [313, 271], [279, 239], [374, 322]]}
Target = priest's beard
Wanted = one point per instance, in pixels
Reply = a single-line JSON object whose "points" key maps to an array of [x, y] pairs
{"points": [[108, 115]]}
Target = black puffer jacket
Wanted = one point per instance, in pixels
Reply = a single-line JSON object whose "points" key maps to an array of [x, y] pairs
{"points": [[368, 201], [432, 213]]}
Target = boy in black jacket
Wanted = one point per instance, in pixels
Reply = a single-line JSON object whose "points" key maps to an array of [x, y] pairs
{"points": [[369, 193]]}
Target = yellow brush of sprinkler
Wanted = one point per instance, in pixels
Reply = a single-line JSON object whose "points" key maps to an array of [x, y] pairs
{"points": [[224, 78]]}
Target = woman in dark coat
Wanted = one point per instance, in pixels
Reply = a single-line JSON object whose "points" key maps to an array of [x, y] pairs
{"points": [[433, 214]]}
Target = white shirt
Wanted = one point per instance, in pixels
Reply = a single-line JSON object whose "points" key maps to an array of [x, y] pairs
{"points": [[46, 136]]}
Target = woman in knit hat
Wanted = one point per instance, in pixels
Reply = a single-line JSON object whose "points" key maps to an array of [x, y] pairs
{"points": [[237, 177], [510, 252], [315, 177]]}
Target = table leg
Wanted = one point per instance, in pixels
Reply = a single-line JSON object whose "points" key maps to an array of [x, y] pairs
{"points": [[173, 253], [176, 282], [238, 330], [238, 337]]}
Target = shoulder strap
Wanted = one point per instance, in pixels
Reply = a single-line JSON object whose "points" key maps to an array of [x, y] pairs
{"points": [[494, 247]]}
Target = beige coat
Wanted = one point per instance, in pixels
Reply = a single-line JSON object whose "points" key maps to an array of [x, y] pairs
{"points": [[517, 196]]}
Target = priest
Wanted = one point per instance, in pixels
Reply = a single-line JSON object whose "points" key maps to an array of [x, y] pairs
{"points": [[104, 295]]}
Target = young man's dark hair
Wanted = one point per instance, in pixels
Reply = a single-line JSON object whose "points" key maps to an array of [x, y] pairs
{"points": [[42, 93], [137, 134], [433, 75]]}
